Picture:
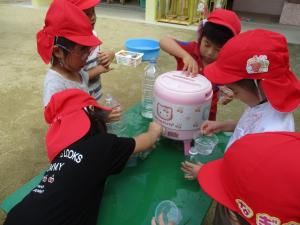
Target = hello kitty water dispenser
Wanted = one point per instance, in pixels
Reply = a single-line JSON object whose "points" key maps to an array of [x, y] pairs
{"points": [[181, 104]]}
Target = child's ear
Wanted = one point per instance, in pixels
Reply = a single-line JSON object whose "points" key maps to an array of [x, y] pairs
{"points": [[57, 52]]}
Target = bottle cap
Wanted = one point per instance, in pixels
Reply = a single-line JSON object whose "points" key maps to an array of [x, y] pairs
{"points": [[152, 60]]}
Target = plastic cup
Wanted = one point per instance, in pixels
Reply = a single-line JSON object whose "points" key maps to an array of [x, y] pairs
{"points": [[168, 211], [206, 144]]}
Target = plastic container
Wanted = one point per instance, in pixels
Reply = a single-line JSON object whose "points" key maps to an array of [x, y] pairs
{"points": [[128, 58], [181, 104], [192, 157], [205, 145], [150, 74], [149, 47], [168, 212], [116, 127]]}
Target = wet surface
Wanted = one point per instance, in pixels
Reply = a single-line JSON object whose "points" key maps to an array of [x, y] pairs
{"points": [[132, 196]]}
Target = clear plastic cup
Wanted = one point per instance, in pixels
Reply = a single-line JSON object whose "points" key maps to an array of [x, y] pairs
{"points": [[206, 144], [168, 212]]}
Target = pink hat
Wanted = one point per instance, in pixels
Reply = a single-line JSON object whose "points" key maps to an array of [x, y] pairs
{"points": [[64, 19], [259, 178], [226, 18], [67, 120], [258, 54], [85, 4]]}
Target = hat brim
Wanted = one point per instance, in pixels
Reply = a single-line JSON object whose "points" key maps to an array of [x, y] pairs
{"points": [[90, 40], [66, 131], [222, 23], [210, 180], [218, 76]]}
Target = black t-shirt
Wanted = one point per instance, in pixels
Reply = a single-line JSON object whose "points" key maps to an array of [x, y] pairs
{"points": [[71, 189]]}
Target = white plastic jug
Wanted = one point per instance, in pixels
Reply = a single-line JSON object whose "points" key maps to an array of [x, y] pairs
{"points": [[181, 104]]}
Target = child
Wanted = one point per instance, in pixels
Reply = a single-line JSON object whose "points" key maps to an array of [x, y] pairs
{"points": [[257, 181], [82, 155], [67, 40], [255, 66], [194, 56], [98, 62]]}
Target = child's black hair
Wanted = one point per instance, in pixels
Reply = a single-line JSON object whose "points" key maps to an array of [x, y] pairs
{"points": [[217, 34], [98, 118], [247, 84], [252, 86], [65, 44]]}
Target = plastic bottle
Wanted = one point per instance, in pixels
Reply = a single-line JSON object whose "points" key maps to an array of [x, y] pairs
{"points": [[116, 127], [193, 157], [150, 74]]}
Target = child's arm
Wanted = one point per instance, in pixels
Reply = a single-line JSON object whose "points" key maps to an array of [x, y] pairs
{"points": [[146, 140], [170, 46], [97, 70], [210, 127]]}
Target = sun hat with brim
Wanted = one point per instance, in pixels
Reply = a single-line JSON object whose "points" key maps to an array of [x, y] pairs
{"points": [[259, 178], [67, 120], [225, 18], [85, 4], [258, 54], [64, 19]]}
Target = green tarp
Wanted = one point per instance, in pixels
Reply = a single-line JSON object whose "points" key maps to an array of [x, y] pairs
{"points": [[132, 196]]}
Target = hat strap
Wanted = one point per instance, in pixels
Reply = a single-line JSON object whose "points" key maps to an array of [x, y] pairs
{"points": [[260, 95]]}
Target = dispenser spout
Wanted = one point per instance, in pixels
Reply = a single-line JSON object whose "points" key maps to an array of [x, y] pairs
{"points": [[187, 146]]}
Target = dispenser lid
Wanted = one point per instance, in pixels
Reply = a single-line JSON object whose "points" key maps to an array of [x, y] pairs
{"points": [[177, 81]]}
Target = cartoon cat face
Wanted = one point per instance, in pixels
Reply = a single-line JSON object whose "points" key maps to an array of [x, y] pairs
{"points": [[164, 112]]}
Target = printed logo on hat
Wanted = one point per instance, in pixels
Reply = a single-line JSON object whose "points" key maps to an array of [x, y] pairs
{"points": [[258, 64], [245, 209], [265, 219]]}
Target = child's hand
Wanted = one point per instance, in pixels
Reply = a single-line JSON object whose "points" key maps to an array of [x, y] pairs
{"points": [[190, 65], [115, 114], [155, 128], [99, 69], [190, 169], [226, 95], [105, 58], [210, 127]]}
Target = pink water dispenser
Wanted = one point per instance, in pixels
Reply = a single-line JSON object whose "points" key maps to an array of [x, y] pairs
{"points": [[181, 104]]}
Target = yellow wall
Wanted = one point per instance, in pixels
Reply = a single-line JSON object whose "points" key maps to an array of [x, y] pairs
{"points": [[151, 10]]}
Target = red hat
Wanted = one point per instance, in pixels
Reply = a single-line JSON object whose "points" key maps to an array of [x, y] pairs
{"points": [[226, 18], [64, 19], [259, 178], [85, 4], [67, 120], [258, 54]]}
